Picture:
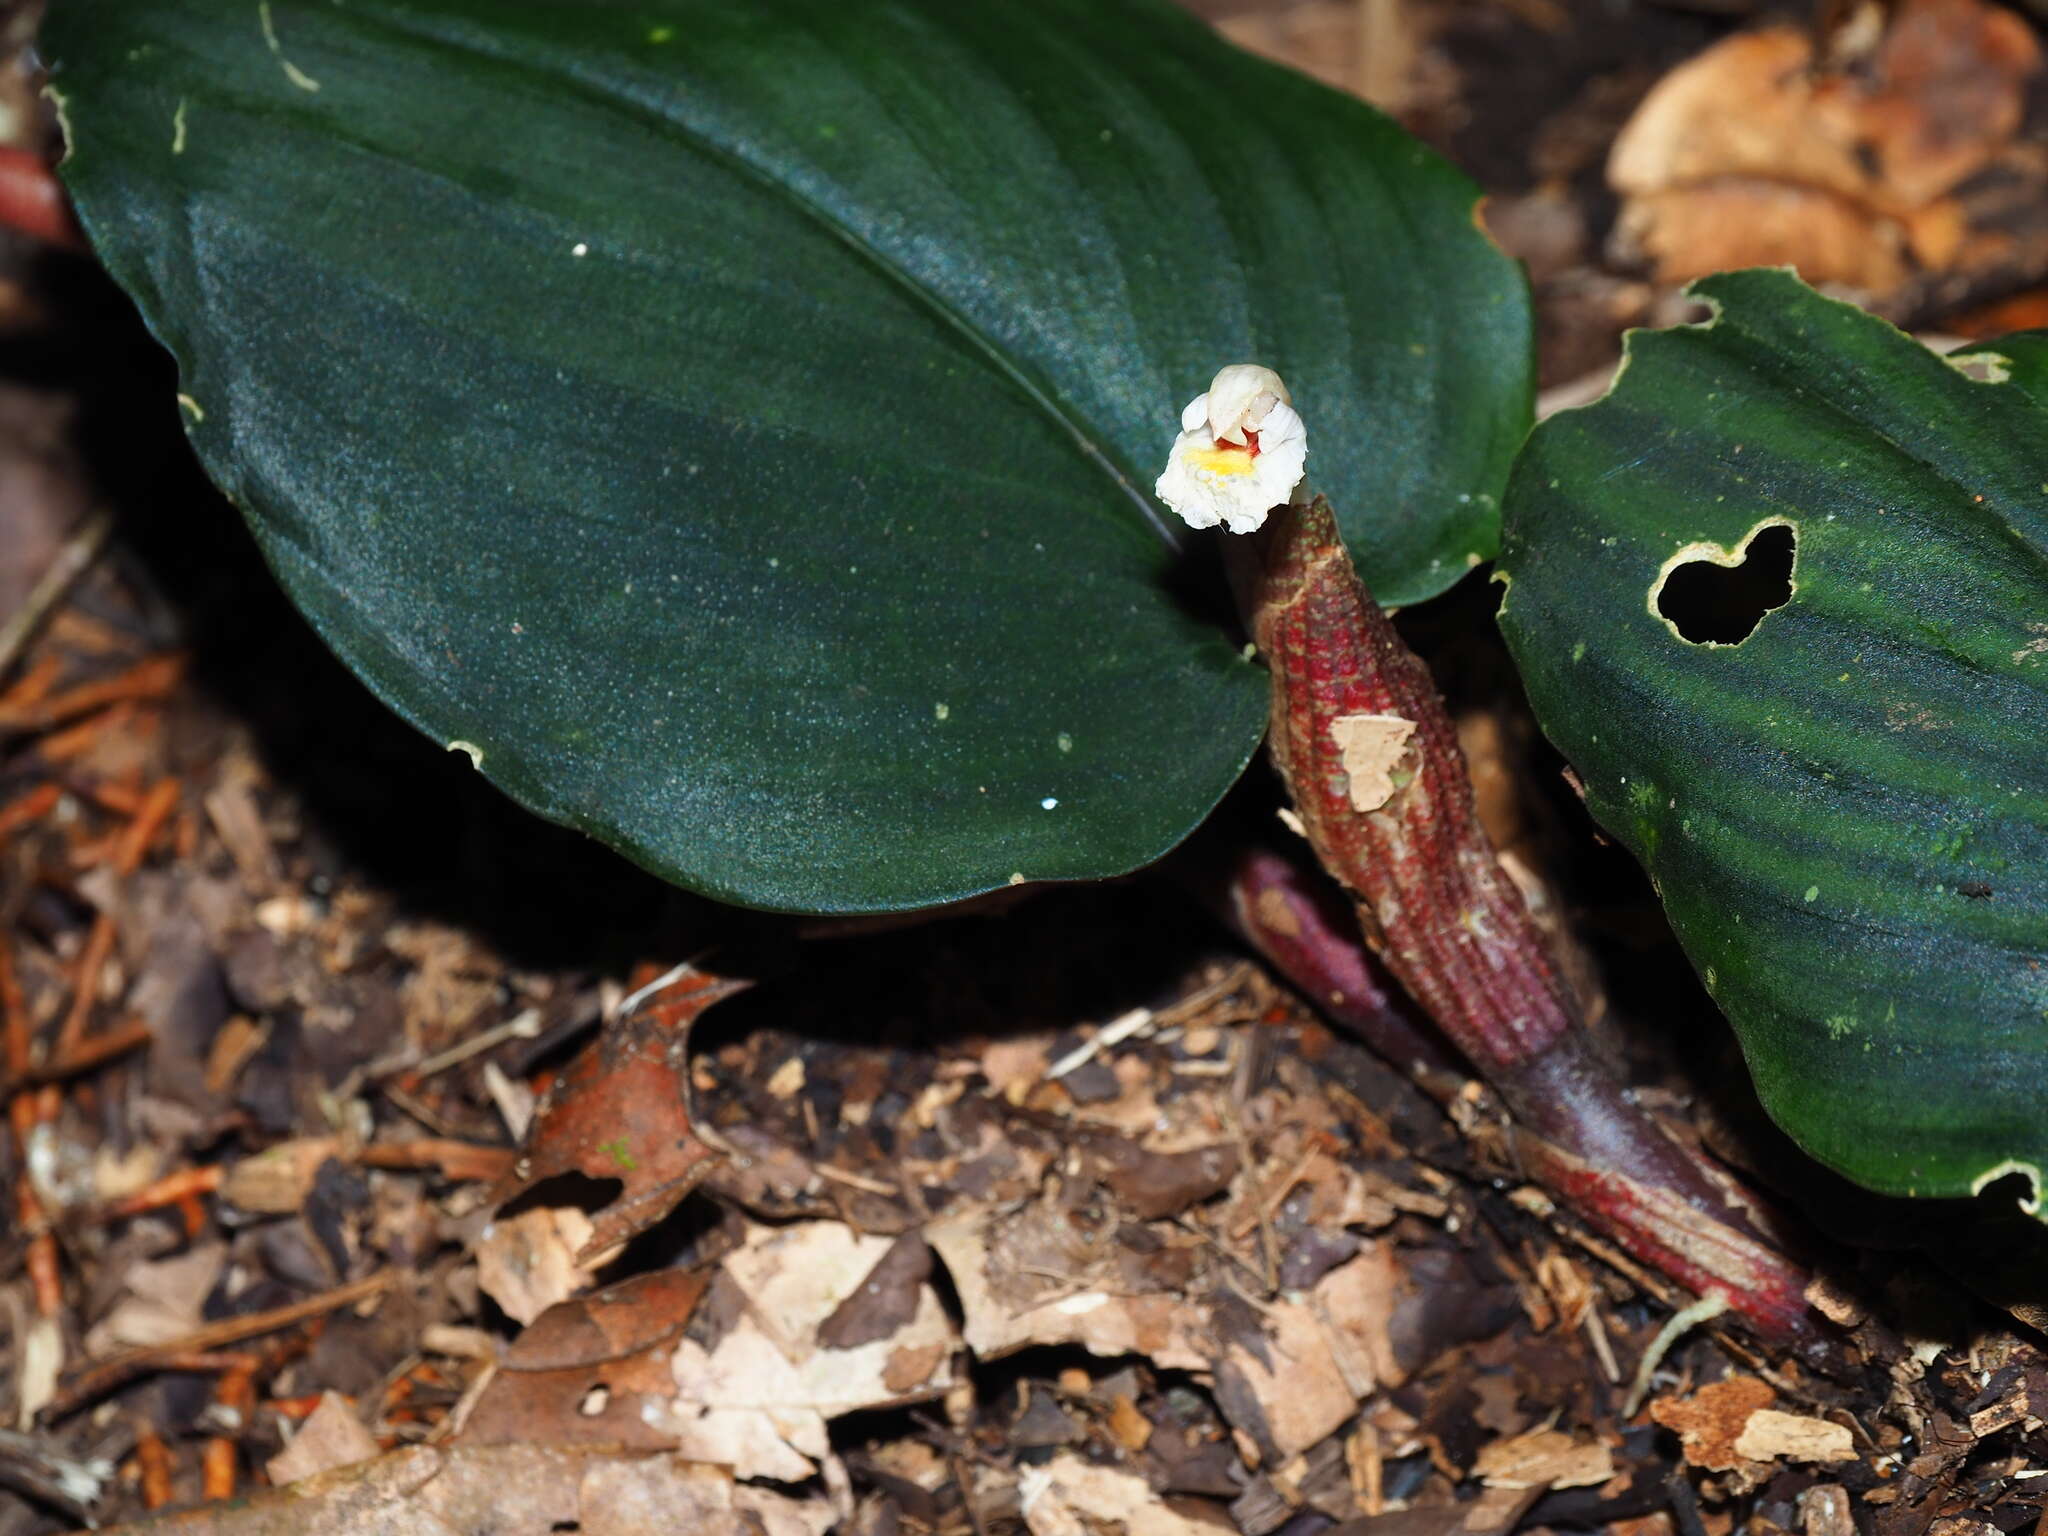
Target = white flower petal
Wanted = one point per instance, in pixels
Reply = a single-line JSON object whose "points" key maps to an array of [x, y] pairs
{"points": [[1242, 396]]}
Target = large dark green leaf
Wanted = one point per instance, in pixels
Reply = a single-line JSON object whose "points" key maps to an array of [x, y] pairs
{"points": [[737, 421], [1846, 812]]}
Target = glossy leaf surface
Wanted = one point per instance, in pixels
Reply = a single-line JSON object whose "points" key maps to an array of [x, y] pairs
{"points": [[1846, 812], [736, 423]]}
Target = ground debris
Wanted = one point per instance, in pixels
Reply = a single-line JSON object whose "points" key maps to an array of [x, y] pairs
{"points": [[524, 1490], [351, 1151]]}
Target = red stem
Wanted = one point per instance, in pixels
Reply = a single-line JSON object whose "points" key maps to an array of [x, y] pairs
{"points": [[1436, 907]]}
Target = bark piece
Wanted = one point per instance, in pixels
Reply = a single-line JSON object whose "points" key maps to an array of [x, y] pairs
{"points": [[1770, 1435], [1711, 1421]]}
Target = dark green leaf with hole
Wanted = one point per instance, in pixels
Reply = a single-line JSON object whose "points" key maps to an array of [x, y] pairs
{"points": [[736, 423], [1846, 812]]}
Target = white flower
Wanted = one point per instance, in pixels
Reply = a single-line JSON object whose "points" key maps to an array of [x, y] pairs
{"points": [[1240, 453]]}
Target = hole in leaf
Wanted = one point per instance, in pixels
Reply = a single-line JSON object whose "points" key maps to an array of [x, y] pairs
{"points": [[1715, 602]]}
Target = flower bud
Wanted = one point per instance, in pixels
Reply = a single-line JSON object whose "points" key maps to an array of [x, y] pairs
{"points": [[1241, 451]]}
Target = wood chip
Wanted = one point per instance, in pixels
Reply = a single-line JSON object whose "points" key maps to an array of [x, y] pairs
{"points": [[1544, 1458], [1712, 1419], [1770, 1435]]}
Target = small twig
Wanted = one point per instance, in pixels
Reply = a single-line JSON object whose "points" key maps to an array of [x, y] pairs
{"points": [[72, 562], [150, 679], [1115, 1032], [45, 1474], [856, 1181], [96, 1379], [129, 851], [522, 1026], [172, 1189], [1603, 1347], [463, 1162], [29, 808], [93, 1052]]}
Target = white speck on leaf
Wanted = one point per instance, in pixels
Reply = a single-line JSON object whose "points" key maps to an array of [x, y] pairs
{"points": [[470, 750], [1048, 803], [292, 72]]}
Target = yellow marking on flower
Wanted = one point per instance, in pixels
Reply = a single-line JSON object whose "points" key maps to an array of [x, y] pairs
{"points": [[1223, 459]]}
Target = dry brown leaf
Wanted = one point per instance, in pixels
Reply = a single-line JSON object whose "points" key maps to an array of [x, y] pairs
{"points": [[1748, 155], [331, 1437], [1316, 1359], [620, 1111], [1356, 1302], [1005, 1309], [589, 1369]]}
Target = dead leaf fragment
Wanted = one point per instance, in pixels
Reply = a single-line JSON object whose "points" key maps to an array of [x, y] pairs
{"points": [[164, 1300], [1752, 154], [758, 1399], [885, 1300], [1770, 1435], [331, 1437], [1370, 746], [620, 1111], [587, 1368], [1006, 1309], [1072, 1497], [529, 1263], [1313, 1361]]}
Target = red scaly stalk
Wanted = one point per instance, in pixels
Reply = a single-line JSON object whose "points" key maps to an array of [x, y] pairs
{"points": [[1394, 821]]}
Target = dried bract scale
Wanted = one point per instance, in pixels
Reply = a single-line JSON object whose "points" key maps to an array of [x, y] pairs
{"points": [[1241, 452]]}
